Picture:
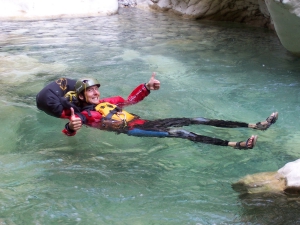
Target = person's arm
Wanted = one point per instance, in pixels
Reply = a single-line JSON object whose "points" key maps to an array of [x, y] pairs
{"points": [[137, 95], [153, 84], [73, 125], [143, 90]]}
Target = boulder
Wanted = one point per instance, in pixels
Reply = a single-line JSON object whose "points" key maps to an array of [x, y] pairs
{"points": [[127, 3], [286, 17], [252, 12], [291, 173], [51, 9], [285, 180]]}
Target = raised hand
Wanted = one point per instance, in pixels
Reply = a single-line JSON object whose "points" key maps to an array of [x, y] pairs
{"points": [[153, 84], [75, 122]]}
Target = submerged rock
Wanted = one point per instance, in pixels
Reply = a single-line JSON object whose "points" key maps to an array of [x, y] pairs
{"points": [[285, 180]]}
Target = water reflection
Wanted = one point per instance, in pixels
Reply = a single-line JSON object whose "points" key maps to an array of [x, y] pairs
{"points": [[215, 70], [270, 208]]}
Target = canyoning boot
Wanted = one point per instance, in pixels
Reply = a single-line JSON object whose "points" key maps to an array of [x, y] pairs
{"points": [[268, 122]]}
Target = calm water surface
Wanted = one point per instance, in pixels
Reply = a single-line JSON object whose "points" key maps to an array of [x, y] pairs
{"points": [[216, 70]]}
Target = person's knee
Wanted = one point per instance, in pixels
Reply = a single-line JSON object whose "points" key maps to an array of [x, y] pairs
{"points": [[199, 120], [181, 133]]}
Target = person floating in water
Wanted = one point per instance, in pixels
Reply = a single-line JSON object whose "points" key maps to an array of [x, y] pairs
{"points": [[79, 101]]}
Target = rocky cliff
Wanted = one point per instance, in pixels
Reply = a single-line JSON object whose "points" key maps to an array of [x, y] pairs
{"points": [[281, 15], [49, 9]]}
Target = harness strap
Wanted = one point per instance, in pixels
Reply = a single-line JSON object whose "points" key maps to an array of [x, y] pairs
{"points": [[111, 113]]}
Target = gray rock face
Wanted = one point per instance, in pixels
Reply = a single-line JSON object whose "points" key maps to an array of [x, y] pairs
{"points": [[252, 12], [49, 9], [291, 172], [286, 17], [284, 13], [127, 3]]}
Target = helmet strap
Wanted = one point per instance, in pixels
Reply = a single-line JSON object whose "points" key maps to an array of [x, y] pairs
{"points": [[85, 98]]}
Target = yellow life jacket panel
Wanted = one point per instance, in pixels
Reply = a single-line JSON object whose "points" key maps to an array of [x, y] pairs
{"points": [[113, 112]]}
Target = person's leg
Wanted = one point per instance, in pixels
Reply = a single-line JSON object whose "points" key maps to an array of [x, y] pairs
{"points": [[248, 144], [159, 128], [235, 124], [264, 125], [218, 123], [164, 124]]}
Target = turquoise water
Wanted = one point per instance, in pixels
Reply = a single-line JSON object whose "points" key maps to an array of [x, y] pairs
{"points": [[210, 69]]}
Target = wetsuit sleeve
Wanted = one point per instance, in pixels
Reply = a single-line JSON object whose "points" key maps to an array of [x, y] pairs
{"points": [[67, 131], [116, 100], [65, 114], [137, 95]]}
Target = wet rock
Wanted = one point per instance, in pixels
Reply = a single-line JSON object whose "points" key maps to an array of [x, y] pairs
{"points": [[260, 182], [285, 180]]}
